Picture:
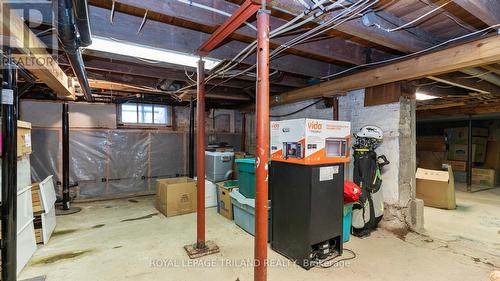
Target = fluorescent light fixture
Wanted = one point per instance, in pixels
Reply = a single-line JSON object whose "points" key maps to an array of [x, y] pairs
{"points": [[149, 53], [422, 96]]}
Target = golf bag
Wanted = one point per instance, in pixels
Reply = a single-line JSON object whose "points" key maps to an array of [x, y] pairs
{"points": [[368, 210]]}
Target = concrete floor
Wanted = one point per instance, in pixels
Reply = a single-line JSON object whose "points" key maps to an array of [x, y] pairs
{"points": [[128, 240], [477, 217]]}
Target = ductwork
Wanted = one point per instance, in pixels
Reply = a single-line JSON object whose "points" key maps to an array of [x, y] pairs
{"points": [[73, 36], [82, 22]]}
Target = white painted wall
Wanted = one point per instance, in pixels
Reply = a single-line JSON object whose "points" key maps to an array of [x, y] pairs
{"points": [[387, 117], [82, 115]]}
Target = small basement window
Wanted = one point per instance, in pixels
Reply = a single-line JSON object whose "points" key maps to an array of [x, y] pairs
{"points": [[144, 114]]}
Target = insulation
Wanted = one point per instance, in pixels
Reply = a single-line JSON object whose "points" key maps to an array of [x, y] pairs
{"points": [[110, 163]]}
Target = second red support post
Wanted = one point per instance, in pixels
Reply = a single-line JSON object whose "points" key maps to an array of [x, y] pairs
{"points": [[262, 149]]}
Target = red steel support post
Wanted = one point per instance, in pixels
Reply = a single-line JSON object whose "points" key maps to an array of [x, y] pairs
{"points": [[262, 149], [200, 155], [242, 14]]}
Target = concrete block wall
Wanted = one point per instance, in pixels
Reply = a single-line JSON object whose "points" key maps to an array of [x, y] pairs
{"points": [[397, 120], [387, 117]]}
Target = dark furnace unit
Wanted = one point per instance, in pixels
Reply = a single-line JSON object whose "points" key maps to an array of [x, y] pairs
{"points": [[307, 191]]}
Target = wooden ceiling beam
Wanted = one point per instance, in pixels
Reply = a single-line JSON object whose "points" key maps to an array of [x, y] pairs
{"points": [[494, 68], [400, 41], [488, 11], [165, 36], [122, 70], [14, 33], [471, 54], [493, 107], [458, 80], [333, 50], [129, 88], [480, 74]]}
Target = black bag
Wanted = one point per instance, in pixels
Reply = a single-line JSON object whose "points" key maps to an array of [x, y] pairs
{"points": [[368, 211]]}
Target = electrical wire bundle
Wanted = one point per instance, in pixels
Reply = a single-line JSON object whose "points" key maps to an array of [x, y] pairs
{"points": [[347, 13]]}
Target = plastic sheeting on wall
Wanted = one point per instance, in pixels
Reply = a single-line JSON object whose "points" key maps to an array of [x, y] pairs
{"points": [[107, 163]]}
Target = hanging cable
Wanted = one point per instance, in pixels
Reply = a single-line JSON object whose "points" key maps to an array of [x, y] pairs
{"points": [[412, 54], [211, 9], [280, 30], [297, 111], [143, 22], [112, 13], [413, 21]]}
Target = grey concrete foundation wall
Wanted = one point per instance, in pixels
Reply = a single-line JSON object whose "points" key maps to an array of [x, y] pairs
{"points": [[397, 120]]}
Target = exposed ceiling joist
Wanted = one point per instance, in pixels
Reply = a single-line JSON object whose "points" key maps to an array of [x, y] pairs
{"points": [[123, 87], [480, 74], [182, 14], [122, 66], [34, 57], [467, 109], [494, 68], [475, 53], [166, 36], [488, 11], [400, 41], [458, 80]]}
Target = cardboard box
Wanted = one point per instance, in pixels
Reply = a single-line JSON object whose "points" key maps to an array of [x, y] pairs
{"points": [[430, 159], [23, 139], [484, 177], [436, 188], [460, 135], [239, 155], [459, 166], [176, 196], [310, 141], [431, 143], [493, 155], [225, 206], [458, 152]]}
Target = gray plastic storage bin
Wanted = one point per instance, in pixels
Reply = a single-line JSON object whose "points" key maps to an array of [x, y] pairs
{"points": [[244, 212], [218, 165]]}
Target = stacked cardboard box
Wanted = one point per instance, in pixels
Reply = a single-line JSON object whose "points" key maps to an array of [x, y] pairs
{"points": [[431, 152], [485, 177], [457, 140]]}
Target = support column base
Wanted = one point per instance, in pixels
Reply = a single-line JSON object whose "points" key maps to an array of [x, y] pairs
{"points": [[72, 210], [193, 252]]}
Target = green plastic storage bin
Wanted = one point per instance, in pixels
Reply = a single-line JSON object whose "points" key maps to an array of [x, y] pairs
{"points": [[246, 176], [346, 227]]}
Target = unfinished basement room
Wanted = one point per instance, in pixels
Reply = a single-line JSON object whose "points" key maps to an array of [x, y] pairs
{"points": [[242, 140]]}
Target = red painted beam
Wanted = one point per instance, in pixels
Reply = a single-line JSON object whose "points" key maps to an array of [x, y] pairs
{"points": [[244, 12], [262, 148]]}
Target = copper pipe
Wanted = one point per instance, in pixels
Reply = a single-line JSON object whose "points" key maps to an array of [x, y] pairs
{"points": [[262, 148], [200, 155]]}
